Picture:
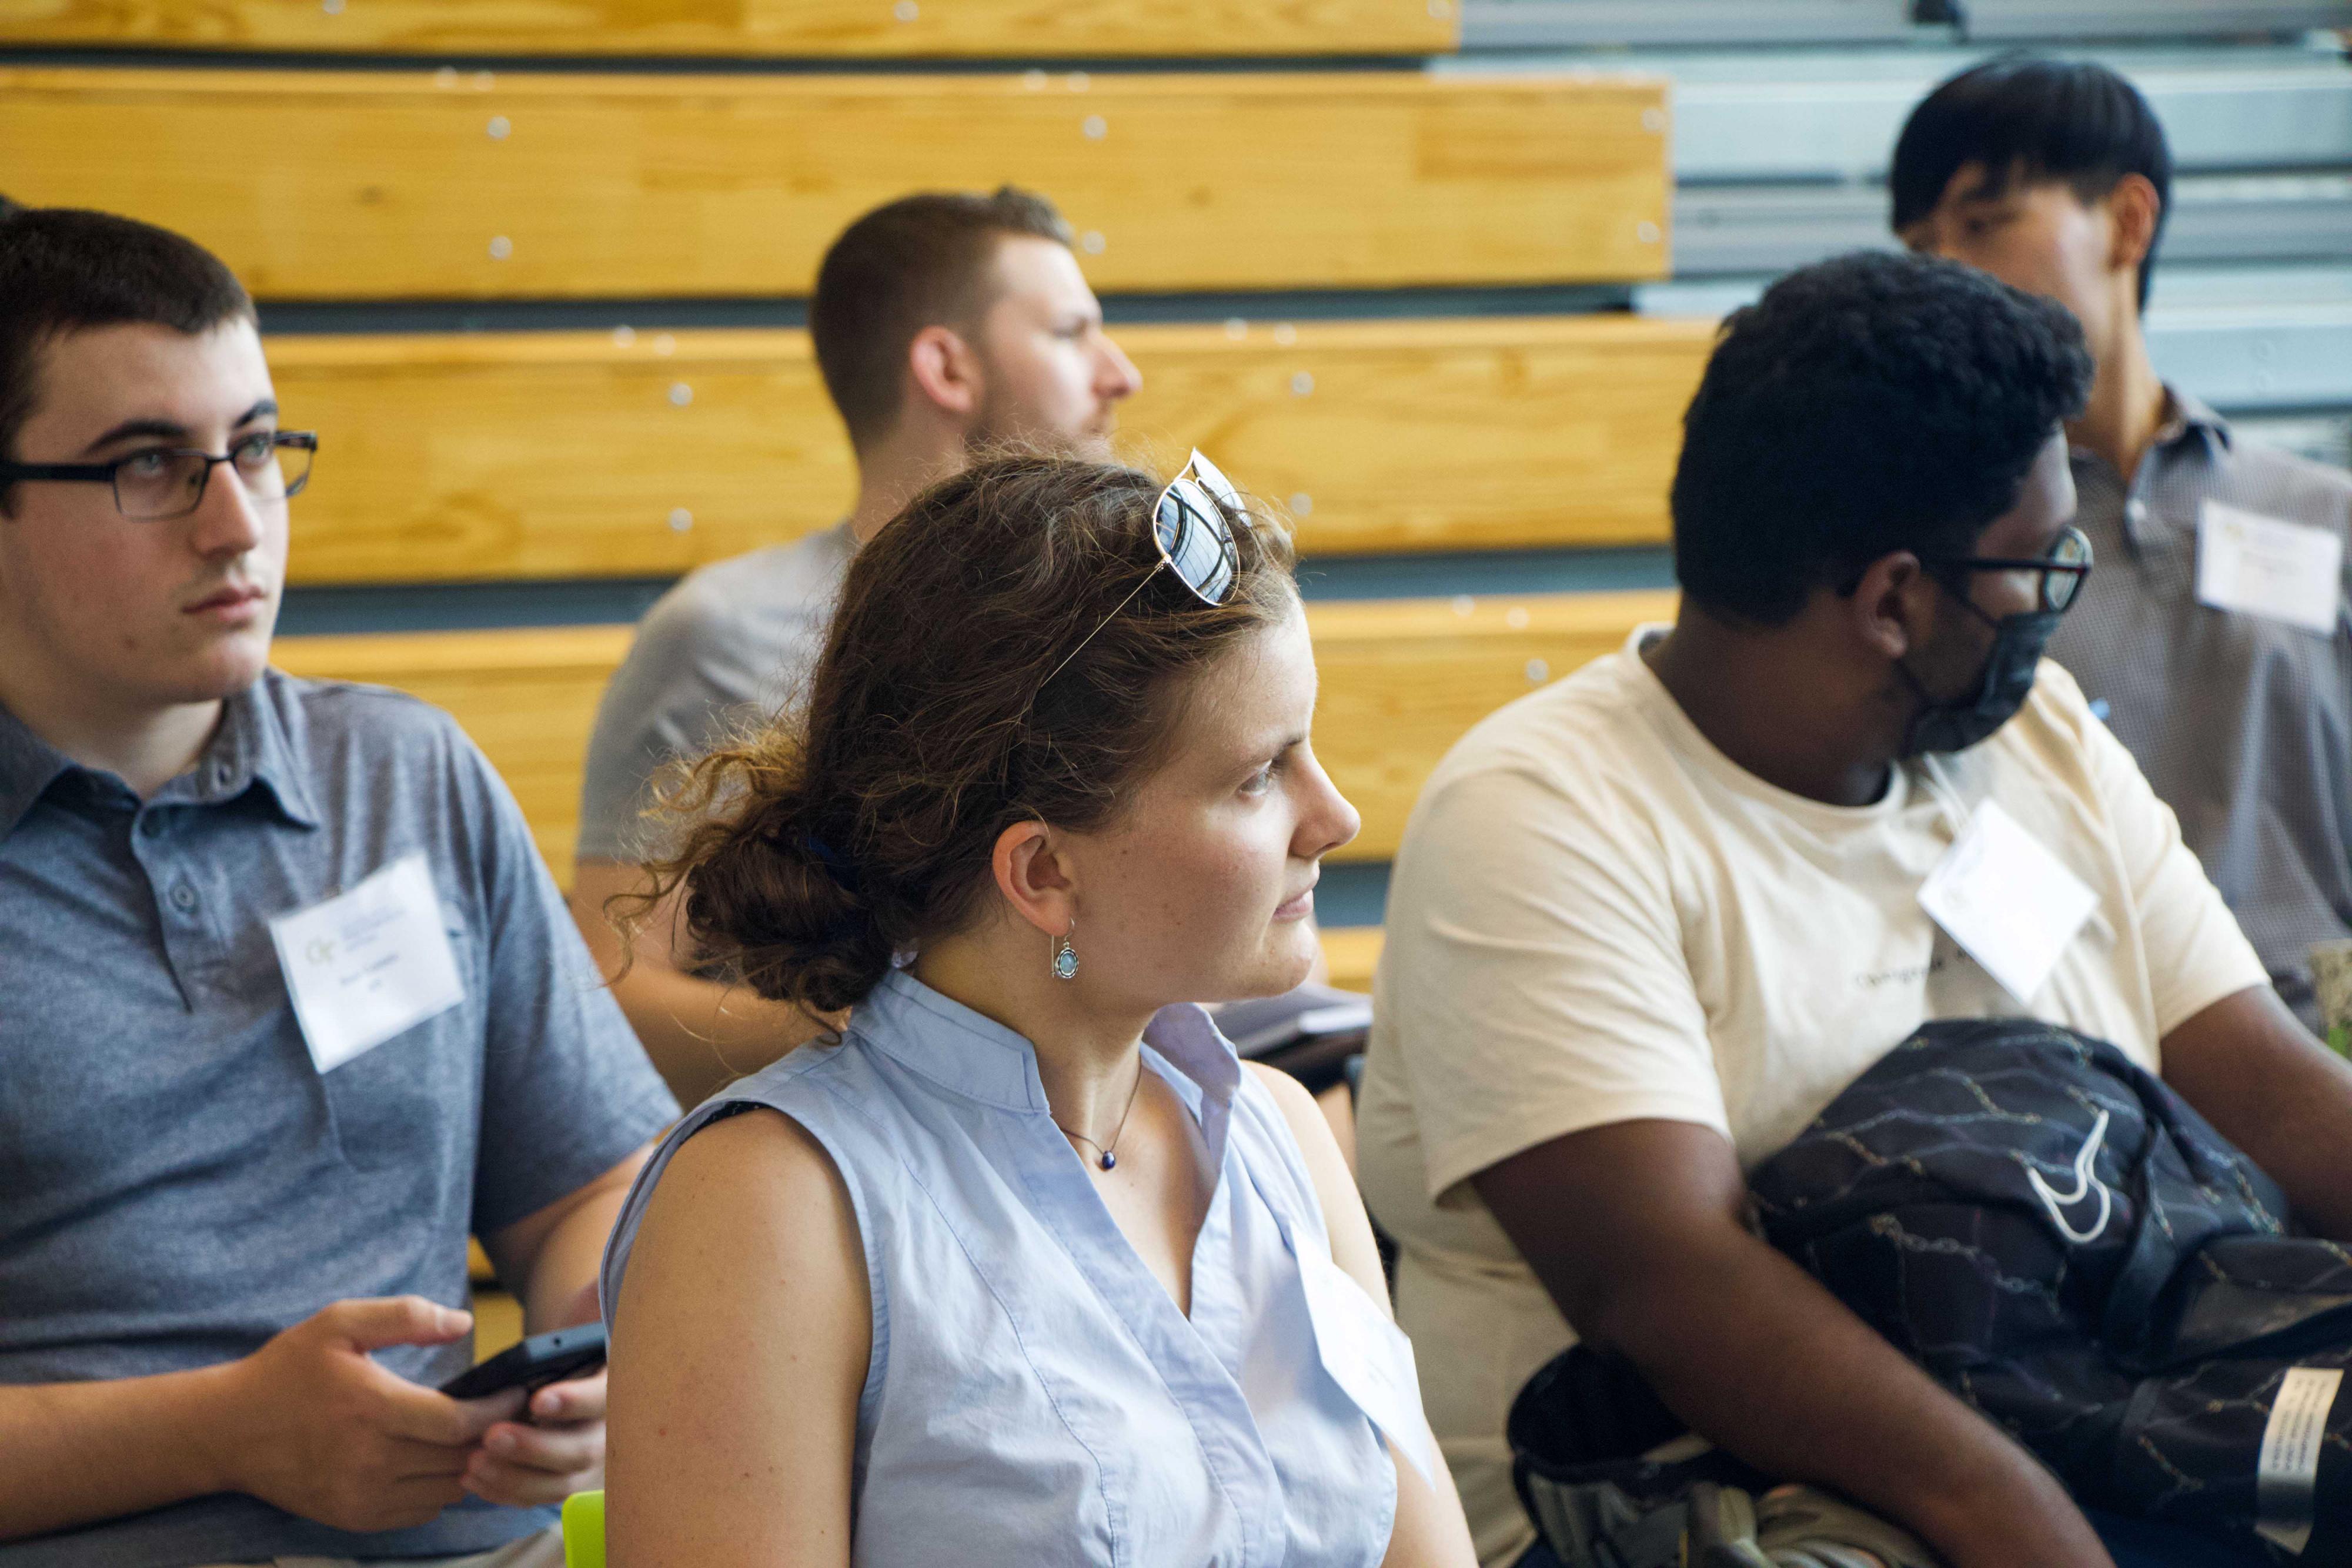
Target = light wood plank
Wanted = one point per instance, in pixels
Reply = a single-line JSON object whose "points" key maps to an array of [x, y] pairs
{"points": [[572, 455], [1402, 680], [356, 185], [1352, 953], [817, 29], [527, 697]]}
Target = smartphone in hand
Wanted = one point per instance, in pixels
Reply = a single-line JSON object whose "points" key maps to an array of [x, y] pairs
{"points": [[538, 1361]]}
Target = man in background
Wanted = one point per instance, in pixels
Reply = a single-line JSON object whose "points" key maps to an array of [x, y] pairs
{"points": [[942, 323], [2214, 638]]}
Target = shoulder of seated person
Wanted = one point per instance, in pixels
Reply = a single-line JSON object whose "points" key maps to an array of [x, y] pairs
{"points": [[1290, 1096], [783, 1158], [2321, 484], [375, 718]]}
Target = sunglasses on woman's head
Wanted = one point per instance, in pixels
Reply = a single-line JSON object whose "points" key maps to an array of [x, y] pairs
{"points": [[1193, 528]]}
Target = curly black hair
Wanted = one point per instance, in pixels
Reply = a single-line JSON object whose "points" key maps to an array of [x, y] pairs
{"points": [[1870, 403]]}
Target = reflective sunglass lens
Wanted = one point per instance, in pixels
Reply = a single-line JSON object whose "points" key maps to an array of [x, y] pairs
{"points": [[1194, 539]]}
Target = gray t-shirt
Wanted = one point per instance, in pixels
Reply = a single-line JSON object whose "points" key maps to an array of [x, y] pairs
{"points": [[178, 1181], [2243, 724], [734, 639]]}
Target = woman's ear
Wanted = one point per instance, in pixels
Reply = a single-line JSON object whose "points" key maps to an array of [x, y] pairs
{"points": [[944, 370], [1035, 878]]}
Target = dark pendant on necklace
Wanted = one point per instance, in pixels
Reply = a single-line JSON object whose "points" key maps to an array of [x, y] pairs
{"points": [[1110, 1160]]}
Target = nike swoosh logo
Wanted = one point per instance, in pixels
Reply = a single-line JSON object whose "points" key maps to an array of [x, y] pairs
{"points": [[2086, 1181]]}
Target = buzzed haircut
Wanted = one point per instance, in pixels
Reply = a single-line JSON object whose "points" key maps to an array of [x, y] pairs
{"points": [[64, 270], [2027, 119], [1870, 403], [917, 262]]}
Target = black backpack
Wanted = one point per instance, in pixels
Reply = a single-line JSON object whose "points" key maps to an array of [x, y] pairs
{"points": [[2065, 1244]]}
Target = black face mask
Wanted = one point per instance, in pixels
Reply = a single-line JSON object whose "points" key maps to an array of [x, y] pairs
{"points": [[2017, 643]]}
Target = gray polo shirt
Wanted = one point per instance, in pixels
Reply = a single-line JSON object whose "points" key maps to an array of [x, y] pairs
{"points": [[178, 1182], [732, 641], [2242, 723]]}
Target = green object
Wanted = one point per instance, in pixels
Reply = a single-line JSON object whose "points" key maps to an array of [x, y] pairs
{"points": [[583, 1530], [2339, 1039]]}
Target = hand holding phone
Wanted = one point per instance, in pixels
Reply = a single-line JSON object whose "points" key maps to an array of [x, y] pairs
{"points": [[538, 1361]]}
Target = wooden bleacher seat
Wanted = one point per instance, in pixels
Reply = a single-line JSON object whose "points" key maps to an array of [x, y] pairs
{"points": [[1352, 952], [1402, 679], [802, 28], [501, 455], [466, 185]]}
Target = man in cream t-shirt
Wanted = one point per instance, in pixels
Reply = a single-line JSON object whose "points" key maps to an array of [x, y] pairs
{"points": [[1647, 922]]}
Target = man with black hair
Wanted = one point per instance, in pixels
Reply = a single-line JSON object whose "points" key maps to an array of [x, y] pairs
{"points": [[289, 1004], [2216, 638], [1646, 923], [943, 322]]}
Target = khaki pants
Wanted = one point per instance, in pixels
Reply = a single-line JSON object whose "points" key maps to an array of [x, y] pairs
{"points": [[544, 1549]]}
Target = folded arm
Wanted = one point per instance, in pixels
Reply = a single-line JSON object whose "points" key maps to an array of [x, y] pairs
{"points": [[2250, 1069], [1637, 1230]]}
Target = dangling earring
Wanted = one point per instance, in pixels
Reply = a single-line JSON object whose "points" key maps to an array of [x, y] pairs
{"points": [[1065, 959]]}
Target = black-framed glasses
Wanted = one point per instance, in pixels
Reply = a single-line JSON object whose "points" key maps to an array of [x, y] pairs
{"points": [[1192, 526], [159, 482], [2063, 570]]}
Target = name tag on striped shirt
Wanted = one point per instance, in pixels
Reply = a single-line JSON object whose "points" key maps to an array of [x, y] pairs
{"points": [[2255, 565]]}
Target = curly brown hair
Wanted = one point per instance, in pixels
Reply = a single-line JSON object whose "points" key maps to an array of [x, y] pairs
{"points": [[861, 819]]}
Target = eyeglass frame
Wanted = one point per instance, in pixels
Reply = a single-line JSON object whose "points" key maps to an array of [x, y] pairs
{"points": [[1223, 508], [105, 473], [2077, 571]]}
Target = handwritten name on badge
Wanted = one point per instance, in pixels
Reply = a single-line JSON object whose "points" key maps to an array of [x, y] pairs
{"points": [[2010, 904], [368, 964], [2262, 566]]}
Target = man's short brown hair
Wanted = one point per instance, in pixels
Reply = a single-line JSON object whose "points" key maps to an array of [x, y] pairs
{"points": [[917, 262], [64, 270]]}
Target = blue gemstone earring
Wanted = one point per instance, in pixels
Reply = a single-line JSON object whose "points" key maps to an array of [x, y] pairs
{"points": [[1066, 959]]}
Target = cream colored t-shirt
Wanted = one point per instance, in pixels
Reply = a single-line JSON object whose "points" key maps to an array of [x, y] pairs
{"points": [[1597, 917]]}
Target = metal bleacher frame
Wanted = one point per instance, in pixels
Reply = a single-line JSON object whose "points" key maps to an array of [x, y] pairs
{"points": [[1785, 115]]}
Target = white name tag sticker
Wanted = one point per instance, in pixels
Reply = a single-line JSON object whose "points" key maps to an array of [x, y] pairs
{"points": [[369, 964], [1369, 1358], [2262, 566], [2287, 1474], [2010, 904]]}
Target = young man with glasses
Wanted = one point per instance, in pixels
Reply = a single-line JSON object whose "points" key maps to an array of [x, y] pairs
{"points": [[2216, 639], [1647, 923], [289, 1006], [944, 323]]}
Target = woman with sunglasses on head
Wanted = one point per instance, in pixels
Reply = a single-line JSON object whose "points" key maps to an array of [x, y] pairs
{"points": [[1026, 1267]]}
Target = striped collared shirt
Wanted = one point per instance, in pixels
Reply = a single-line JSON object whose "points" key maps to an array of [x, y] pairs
{"points": [[2242, 723]]}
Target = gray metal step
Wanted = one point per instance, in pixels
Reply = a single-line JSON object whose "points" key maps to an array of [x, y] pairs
{"points": [[1567, 24], [1722, 229], [1832, 115], [1991, 21], [2246, 340]]}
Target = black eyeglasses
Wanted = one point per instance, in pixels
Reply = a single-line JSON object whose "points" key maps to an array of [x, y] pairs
{"points": [[2063, 570], [160, 482], [1192, 525]]}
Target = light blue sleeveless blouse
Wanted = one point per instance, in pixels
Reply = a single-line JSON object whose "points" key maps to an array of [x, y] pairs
{"points": [[1035, 1395]]}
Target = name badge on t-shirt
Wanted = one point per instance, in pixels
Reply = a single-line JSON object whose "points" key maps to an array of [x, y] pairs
{"points": [[1369, 1358], [2264, 565], [368, 964], [2010, 904]]}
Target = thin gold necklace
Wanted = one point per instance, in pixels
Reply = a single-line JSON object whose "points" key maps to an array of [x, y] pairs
{"points": [[1107, 1154]]}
